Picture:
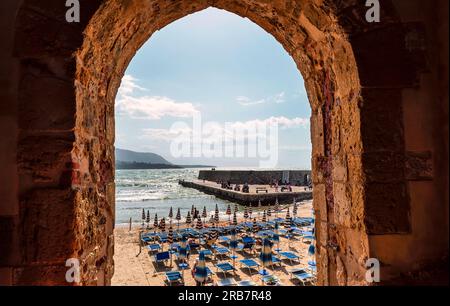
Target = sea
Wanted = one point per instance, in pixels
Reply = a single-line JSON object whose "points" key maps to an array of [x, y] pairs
{"points": [[156, 191]]}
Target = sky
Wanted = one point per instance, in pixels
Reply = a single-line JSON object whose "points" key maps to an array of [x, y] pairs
{"points": [[223, 78]]}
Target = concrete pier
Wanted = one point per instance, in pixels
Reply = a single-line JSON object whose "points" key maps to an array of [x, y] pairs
{"points": [[250, 199]]}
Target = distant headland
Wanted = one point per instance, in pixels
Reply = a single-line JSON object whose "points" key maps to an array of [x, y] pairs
{"points": [[131, 160]]}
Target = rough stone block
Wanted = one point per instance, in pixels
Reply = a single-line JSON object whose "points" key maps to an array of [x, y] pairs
{"points": [[382, 120], [387, 209], [419, 166], [48, 220]]}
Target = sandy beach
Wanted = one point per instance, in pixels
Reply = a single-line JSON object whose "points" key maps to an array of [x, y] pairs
{"points": [[137, 269]]}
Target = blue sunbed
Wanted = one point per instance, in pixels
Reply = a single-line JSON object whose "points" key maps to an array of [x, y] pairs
{"points": [[173, 277], [301, 275], [225, 267], [227, 282], [250, 264], [154, 247], [221, 251], [289, 255], [162, 257], [247, 283], [224, 238]]}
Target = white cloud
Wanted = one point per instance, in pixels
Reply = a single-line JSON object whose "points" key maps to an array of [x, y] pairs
{"points": [[153, 108], [246, 101], [296, 148], [129, 85], [229, 131], [148, 107]]}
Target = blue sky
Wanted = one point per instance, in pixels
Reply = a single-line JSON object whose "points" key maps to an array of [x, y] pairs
{"points": [[223, 67]]}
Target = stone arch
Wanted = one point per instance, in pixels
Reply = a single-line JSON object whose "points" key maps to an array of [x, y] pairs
{"points": [[66, 164]]}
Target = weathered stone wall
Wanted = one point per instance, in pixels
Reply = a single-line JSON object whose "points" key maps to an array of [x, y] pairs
{"points": [[379, 129], [253, 177]]}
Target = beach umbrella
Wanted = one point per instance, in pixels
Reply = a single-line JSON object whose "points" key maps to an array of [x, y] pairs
{"points": [[188, 218], [233, 245], [269, 212], [288, 220], [259, 207], [198, 227], [264, 220], [204, 214], [143, 218], [200, 270], [155, 223], [246, 214], [277, 207], [288, 225], [235, 219], [216, 214], [170, 235], [250, 212], [182, 251], [255, 226], [162, 225], [182, 254], [276, 237], [170, 213], [265, 256], [170, 240], [236, 207], [192, 210], [229, 212], [199, 224], [294, 209], [178, 217], [148, 219]]}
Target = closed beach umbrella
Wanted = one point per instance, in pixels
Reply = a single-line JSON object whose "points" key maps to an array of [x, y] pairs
{"points": [[264, 220], [269, 212], [155, 223], [182, 251], [192, 210], [246, 214], [143, 217], [170, 213], [170, 235], [294, 209], [170, 240], [250, 212], [229, 212], [277, 207], [178, 217], [148, 219], [288, 219], [236, 207], [235, 219], [255, 226], [188, 218], [162, 225], [265, 256], [259, 207], [288, 225], [276, 237], [199, 224], [200, 270], [204, 213], [216, 214], [233, 244]]}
